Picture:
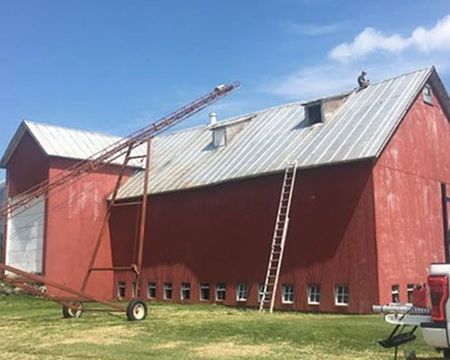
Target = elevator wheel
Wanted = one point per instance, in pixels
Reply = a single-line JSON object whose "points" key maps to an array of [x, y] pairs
{"points": [[136, 310]]}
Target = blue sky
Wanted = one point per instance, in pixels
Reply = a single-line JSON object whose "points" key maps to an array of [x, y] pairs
{"points": [[114, 66]]}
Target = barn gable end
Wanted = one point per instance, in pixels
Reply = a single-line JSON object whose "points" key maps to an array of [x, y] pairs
{"points": [[407, 189], [57, 233]]}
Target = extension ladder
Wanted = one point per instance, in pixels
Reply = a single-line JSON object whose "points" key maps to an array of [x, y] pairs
{"points": [[268, 294]]}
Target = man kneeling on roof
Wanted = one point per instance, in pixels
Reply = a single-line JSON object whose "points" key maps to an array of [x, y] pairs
{"points": [[362, 81]]}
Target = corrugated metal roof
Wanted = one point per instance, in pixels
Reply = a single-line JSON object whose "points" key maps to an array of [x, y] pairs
{"points": [[64, 142], [276, 136]]}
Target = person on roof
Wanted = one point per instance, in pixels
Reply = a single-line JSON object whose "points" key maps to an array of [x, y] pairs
{"points": [[362, 81]]}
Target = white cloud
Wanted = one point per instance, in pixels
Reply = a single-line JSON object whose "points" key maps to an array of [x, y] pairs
{"points": [[310, 29], [313, 81], [370, 40], [389, 56], [333, 77]]}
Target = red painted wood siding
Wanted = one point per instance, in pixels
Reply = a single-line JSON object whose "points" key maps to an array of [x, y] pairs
{"points": [[27, 167], [222, 234], [74, 217], [407, 177]]}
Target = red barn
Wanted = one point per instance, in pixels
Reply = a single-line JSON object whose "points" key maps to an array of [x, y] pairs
{"points": [[369, 210], [56, 235]]}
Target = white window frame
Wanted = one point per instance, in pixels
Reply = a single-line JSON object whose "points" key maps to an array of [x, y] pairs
{"points": [[395, 293], [341, 291], [241, 292], [314, 294], [168, 287], [185, 287], [427, 94], [204, 287], [221, 288], [121, 285], [287, 294], [410, 292], [151, 285]]}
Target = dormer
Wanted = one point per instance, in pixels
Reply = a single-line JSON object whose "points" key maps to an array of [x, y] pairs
{"points": [[322, 110], [224, 131], [219, 133], [313, 112]]}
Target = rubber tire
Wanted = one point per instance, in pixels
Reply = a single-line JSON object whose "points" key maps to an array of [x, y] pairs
{"points": [[446, 353], [68, 313], [136, 310]]}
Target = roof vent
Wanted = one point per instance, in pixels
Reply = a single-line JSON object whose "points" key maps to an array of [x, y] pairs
{"points": [[212, 118], [219, 133]]}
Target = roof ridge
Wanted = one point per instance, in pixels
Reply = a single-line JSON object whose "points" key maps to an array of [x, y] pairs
{"points": [[231, 118], [227, 119], [26, 122], [428, 69], [175, 132]]}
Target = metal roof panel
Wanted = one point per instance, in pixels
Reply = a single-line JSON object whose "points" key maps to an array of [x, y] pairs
{"points": [[267, 142], [279, 135], [64, 142]]}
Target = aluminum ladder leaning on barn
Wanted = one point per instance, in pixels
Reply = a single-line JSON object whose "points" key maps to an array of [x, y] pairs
{"points": [[279, 239]]}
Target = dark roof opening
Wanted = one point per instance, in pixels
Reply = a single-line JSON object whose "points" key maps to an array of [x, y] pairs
{"points": [[314, 113]]}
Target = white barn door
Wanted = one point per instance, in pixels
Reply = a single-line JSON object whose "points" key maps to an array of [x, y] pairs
{"points": [[25, 237]]}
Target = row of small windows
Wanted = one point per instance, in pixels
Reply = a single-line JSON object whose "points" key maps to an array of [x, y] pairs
{"points": [[395, 293], [341, 292]]}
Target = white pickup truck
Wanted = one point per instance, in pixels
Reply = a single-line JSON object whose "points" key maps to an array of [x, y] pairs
{"points": [[433, 321]]}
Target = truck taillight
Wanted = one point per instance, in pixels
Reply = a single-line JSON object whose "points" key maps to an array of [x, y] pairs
{"points": [[438, 285]]}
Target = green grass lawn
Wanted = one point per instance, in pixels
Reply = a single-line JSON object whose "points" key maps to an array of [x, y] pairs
{"points": [[34, 329]]}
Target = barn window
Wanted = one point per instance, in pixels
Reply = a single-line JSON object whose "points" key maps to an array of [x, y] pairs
{"points": [[121, 289], [168, 291], [287, 294], [427, 93], [185, 291], [204, 291], [341, 295], [410, 292], [241, 292], [151, 290], [313, 294], [395, 294], [313, 113], [221, 291]]}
